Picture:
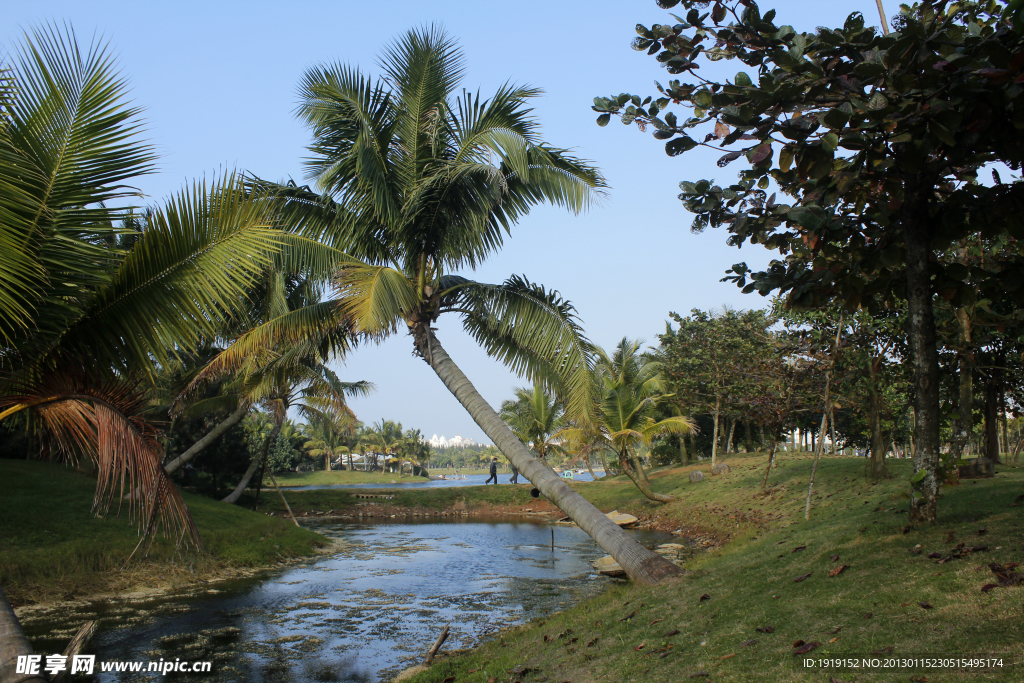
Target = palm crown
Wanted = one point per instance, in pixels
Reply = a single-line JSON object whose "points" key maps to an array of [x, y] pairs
{"points": [[415, 183]]}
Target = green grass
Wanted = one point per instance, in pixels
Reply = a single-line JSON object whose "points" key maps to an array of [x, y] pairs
{"points": [[52, 546], [322, 478], [750, 584]]}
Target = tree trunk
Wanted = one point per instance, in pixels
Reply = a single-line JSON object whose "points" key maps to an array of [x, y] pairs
{"points": [[964, 425], [684, 456], [771, 463], [819, 447], [878, 469], [631, 466], [992, 416], [12, 644], [714, 436], [921, 327], [728, 440], [214, 434], [748, 440], [586, 459], [237, 493], [642, 565], [604, 463], [639, 467]]}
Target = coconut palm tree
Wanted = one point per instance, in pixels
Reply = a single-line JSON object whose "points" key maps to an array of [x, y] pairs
{"points": [[89, 309], [631, 389], [386, 438], [415, 183], [329, 439], [535, 417]]}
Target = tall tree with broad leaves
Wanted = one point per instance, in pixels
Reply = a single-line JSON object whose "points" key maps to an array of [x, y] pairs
{"points": [[416, 182], [878, 139]]}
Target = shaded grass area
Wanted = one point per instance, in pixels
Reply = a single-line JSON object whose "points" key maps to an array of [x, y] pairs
{"points": [[53, 547], [889, 600], [322, 478]]}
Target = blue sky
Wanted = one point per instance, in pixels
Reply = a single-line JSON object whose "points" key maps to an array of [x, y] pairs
{"points": [[217, 81]]}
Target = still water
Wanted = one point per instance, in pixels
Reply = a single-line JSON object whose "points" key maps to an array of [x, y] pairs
{"points": [[470, 480], [362, 614]]}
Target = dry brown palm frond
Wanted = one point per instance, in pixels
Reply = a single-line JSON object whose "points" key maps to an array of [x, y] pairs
{"points": [[101, 419]]}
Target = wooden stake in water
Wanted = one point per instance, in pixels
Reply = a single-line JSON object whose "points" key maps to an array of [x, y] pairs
{"points": [[552, 539]]}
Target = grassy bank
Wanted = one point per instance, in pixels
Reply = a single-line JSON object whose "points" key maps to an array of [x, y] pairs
{"points": [[322, 478], [52, 547], [890, 599]]}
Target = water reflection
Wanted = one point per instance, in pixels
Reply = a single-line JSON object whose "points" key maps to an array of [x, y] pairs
{"points": [[362, 614], [470, 480]]}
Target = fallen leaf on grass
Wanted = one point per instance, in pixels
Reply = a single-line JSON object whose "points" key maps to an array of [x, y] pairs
{"points": [[450, 679], [673, 632], [833, 640], [838, 570], [492, 679], [925, 605], [934, 556], [765, 629], [799, 643], [869, 615], [836, 630], [799, 547], [655, 622], [473, 671], [733, 654], [833, 558], [802, 578], [592, 642], [663, 655], [804, 649], [905, 604], [700, 674], [640, 646], [982, 531], [704, 597], [630, 615], [748, 643]]}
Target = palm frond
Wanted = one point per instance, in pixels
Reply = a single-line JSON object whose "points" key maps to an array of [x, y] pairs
{"points": [[101, 419], [68, 145], [185, 278], [376, 298], [534, 332]]}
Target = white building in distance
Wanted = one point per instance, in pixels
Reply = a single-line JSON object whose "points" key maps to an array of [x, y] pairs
{"points": [[455, 442]]}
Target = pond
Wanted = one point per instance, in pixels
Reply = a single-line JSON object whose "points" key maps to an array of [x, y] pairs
{"points": [[362, 614], [470, 480]]}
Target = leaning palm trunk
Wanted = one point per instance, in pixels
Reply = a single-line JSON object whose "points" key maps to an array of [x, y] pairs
{"points": [[642, 565], [214, 434], [261, 458], [631, 466], [13, 644]]}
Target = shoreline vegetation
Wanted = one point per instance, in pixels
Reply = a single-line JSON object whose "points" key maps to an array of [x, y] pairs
{"points": [[936, 607]]}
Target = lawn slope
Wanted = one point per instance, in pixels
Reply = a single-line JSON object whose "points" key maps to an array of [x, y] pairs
{"points": [[53, 547]]}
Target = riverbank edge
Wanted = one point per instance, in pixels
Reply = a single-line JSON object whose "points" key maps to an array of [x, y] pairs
{"points": [[136, 584]]}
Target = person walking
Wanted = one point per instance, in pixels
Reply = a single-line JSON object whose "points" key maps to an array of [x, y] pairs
{"points": [[515, 474], [494, 472]]}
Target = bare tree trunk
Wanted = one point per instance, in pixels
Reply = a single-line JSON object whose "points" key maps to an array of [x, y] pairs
{"points": [[748, 441], [604, 463], [639, 467], [237, 493], [586, 459], [642, 565], [728, 440], [214, 434], [631, 466], [771, 463], [878, 469], [13, 644], [714, 437], [817, 454], [921, 326], [992, 416], [684, 456]]}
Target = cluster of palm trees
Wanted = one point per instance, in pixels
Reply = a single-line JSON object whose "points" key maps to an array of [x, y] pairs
{"points": [[237, 294], [630, 401]]}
